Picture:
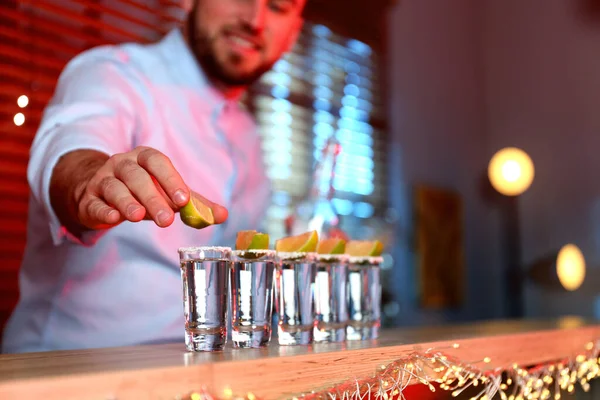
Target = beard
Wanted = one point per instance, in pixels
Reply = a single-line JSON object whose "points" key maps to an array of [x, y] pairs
{"points": [[224, 71]]}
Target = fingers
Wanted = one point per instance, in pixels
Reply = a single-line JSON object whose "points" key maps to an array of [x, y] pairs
{"points": [[220, 213], [160, 167], [137, 185], [140, 184], [96, 214], [171, 183], [118, 195]]}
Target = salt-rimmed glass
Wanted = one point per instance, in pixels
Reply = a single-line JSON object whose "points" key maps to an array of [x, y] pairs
{"points": [[364, 298], [251, 297], [295, 279], [204, 273], [331, 306]]}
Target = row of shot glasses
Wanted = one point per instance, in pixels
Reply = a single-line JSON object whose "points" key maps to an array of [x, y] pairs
{"points": [[318, 297]]}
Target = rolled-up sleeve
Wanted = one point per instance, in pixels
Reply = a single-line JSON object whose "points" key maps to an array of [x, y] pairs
{"points": [[92, 108]]}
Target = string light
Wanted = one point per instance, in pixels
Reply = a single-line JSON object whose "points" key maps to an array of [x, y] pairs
{"points": [[19, 119], [544, 381], [23, 101], [515, 383], [228, 393]]}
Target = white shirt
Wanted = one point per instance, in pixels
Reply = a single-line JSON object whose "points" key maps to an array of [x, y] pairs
{"points": [[122, 286]]}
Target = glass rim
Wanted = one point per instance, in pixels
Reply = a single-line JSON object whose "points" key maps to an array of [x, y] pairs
{"points": [[254, 255], [266, 252], [365, 259], [203, 248], [296, 255], [204, 252], [332, 257]]}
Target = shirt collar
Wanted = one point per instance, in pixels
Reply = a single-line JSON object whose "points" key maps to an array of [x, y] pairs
{"points": [[187, 71]]}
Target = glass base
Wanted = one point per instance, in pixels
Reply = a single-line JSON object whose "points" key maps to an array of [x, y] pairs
{"points": [[358, 331], [205, 339], [330, 332], [250, 336], [291, 335]]}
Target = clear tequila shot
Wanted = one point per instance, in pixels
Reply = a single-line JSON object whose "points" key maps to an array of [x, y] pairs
{"points": [[364, 298], [205, 272], [331, 306], [295, 279], [251, 297]]}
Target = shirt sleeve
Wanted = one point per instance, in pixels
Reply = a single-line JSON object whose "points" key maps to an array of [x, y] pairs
{"points": [[92, 108]]}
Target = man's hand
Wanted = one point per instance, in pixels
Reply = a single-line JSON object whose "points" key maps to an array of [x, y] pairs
{"points": [[95, 191]]}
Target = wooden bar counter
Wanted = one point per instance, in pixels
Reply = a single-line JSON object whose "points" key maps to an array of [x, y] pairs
{"points": [[167, 371]]}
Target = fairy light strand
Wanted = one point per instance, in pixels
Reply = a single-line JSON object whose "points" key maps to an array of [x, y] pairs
{"points": [[542, 382]]}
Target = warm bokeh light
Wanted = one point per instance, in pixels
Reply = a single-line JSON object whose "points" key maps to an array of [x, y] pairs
{"points": [[19, 119], [570, 322], [511, 171], [23, 101], [570, 267]]}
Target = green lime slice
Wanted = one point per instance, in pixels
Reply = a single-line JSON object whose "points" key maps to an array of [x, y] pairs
{"points": [[196, 214], [364, 248], [331, 246], [304, 243], [251, 240]]}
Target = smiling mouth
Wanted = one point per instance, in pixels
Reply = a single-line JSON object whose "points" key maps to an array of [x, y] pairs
{"points": [[243, 42]]}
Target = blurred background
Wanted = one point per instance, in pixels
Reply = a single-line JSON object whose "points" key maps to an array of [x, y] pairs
{"points": [[419, 95]]}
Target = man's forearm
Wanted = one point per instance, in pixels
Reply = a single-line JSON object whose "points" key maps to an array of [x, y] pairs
{"points": [[69, 179]]}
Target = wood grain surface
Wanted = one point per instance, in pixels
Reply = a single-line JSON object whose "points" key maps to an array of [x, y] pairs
{"points": [[166, 371]]}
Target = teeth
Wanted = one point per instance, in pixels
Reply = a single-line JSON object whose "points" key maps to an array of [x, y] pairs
{"points": [[241, 42]]}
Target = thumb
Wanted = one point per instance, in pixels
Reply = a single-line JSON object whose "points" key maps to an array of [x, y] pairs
{"points": [[220, 213]]}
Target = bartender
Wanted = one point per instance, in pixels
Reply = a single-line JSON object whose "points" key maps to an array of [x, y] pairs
{"points": [[132, 132]]}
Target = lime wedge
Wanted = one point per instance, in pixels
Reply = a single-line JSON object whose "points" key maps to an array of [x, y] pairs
{"points": [[197, 214], [364, 248], [304, 243], [331, 246], [251, 240]]}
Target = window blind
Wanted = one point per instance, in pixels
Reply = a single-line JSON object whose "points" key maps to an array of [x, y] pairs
{"points": [[329, 84], [37, 38]]}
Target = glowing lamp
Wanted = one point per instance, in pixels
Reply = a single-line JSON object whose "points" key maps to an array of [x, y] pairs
{"points": [[22, 101], [570, 267], [19, 119], [562, 270], [511, 171]]}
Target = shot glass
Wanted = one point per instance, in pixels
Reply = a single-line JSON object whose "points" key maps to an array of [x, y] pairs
{"points": [[364, 298], [331, 306], [295, 279], [205, 272], [251, 297]]}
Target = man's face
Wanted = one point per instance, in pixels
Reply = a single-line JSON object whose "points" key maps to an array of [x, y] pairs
{"points": [[236, 41]]}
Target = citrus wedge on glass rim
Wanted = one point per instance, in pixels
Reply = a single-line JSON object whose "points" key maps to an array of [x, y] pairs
{"points": [[251, 240], [196, 214], [303, 243], [331, 246], [364, 248]]}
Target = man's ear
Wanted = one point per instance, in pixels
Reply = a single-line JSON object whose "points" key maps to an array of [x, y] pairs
{"points": [[294, 34]]}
